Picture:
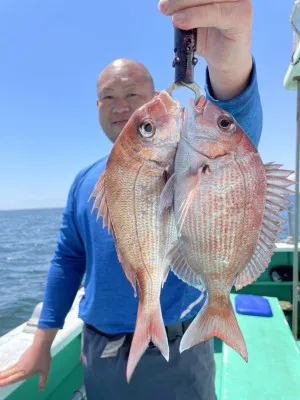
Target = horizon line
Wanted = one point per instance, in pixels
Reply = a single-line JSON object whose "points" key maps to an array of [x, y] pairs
{"points": [[32, 208]]}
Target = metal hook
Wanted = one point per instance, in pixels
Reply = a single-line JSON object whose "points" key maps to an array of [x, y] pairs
{"points": [[184, 61], [192, 86]]}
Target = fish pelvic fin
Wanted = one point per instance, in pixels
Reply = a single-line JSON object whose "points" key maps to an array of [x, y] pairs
{"points": [[195, 176], [181, 268], [275, 202], [167, 194], [149, 327], [212, 322]]}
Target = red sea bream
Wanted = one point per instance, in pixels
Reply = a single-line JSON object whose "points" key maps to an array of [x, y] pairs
{"points": [[226, 204], [127, 196]]}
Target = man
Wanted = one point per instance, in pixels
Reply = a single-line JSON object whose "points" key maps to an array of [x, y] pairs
{"points": [[109, 307]]}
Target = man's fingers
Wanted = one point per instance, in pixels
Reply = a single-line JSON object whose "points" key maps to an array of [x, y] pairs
{"points": [[169, 7], [8, 371], [14, 374], [216, 15], [15, 377], [42, 381]]}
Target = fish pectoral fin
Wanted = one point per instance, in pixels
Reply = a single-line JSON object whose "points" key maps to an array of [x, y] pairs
{"points": [[101, 203], [194, 176], [167, 194], [277, 183], [165, 276], [182, 269]]}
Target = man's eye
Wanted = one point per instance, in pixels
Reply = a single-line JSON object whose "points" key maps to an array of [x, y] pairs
{"points": [[107, 97], [132, 95]]}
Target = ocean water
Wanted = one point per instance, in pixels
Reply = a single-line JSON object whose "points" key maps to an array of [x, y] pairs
{"points": [[289, 216], [27, 243]]}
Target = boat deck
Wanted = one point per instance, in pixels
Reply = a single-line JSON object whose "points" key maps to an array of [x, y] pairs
{"points": [[273, 369]]}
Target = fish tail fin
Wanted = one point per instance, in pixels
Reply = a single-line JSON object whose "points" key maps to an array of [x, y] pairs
{"points": [[148, 327], [211, 322]]}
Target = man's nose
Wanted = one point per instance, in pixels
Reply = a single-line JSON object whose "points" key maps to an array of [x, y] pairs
{"points": [[121, 105]]}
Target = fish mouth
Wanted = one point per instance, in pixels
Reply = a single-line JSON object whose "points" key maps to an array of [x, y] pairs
{"points": [[170, 103], [200, 106]]}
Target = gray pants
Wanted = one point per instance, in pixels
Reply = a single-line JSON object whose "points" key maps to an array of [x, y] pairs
{"points": [[189, 375]]}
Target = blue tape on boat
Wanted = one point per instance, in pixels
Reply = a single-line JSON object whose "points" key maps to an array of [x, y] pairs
{"points": [[248, 304]]}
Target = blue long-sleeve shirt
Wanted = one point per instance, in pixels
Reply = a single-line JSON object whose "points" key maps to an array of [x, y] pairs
{"points": [[84, 247]]}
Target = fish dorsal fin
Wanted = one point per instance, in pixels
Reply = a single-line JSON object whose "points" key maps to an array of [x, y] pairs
{"points": [[274, 202], [181, 268], [101, 204], [167, 194]]}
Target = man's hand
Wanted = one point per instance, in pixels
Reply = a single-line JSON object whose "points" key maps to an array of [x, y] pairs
{"points": [[34, 361], [224, 39]]}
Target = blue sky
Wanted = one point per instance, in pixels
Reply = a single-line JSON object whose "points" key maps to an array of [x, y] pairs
{"points": [[51, 55]]}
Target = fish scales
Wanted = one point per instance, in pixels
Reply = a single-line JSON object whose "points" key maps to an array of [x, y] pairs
{"points": [[142, 241], [226, 204], [216, 239], [127, 196]]}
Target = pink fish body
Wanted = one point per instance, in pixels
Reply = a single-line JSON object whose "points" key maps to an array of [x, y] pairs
{"points": [[226, 204], [127, 196]]}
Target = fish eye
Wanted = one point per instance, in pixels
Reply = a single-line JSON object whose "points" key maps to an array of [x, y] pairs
{"points": [[147, 129], [226, 123]]}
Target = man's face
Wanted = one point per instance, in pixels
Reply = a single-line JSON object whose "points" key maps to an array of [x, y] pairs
{"points": [[121, 90]]}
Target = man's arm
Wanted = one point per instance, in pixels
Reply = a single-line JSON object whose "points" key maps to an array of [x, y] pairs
{"points": [[66, 270], [245, 107], [65, 275], [224, 34]]}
